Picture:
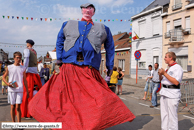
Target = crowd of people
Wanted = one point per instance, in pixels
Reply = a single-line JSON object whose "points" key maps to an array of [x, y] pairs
{"points": [[77, 95], [115, 79]]}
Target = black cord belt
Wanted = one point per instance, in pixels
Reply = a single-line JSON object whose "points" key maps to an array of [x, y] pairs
{"points": [[172, 86]]}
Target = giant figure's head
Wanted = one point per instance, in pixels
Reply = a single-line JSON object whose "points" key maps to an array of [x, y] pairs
{"points": [[88, 10]]}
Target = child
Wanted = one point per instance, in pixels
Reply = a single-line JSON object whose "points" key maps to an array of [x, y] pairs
{"points": [[114, 78], [4, 86], [16, 73]]}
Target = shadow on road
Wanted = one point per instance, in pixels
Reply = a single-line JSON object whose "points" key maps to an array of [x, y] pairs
{"points": [[138, 123], [3, 102], [127, 93], [185, 124]]}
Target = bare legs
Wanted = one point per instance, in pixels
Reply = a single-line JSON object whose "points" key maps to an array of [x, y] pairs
{"points": [[12, 112], [119, 86]]}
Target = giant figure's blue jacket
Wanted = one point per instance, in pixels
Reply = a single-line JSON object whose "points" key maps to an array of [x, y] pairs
{"points": [[77, 36]]}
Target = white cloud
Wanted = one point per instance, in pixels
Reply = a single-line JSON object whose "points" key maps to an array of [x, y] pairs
{"points": [[67, 12], [112, 2]]}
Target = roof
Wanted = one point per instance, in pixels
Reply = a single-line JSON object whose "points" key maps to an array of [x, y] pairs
{"points": [[120, 41], [53, 55], [124, 43], [156, 3], [119, 36]]}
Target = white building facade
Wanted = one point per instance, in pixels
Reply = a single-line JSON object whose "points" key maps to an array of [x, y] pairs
{"points": [[148, 26]]}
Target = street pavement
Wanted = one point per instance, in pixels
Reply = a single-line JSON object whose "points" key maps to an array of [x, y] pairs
{"points": [[146, 118]]}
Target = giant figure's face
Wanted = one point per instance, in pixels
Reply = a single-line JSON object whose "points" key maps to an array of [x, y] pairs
{"points": [[88, 12]]}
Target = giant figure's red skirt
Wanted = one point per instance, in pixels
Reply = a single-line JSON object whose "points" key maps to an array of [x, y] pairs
{"points": [[79, 98]]}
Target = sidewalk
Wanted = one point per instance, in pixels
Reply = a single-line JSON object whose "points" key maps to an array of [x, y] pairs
{"points": [[132, 82]]}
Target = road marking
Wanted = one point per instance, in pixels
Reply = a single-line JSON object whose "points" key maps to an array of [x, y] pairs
{"points": [[148, 106], [159, 114], [134, 97], [122, 98], [188, 117], [144, 104]]}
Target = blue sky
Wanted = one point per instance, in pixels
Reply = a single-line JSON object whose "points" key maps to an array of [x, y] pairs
{"points": [[45, 33]]}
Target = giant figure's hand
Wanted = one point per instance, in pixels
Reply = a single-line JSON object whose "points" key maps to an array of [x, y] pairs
{"points": [[59, 63], [109, 72]]}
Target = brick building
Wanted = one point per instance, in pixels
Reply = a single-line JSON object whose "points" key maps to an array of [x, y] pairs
{"points": [[122, 53]]}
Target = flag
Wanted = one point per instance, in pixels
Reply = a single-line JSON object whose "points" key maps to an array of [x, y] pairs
{"points": [[135, 37]]}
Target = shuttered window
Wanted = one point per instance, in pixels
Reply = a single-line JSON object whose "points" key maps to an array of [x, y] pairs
{"points": [[181, 56], [187, 22], [177, 22], [155, 25], [167, 26], [177, 2], [122, 64], [142, 61], [142, 29]]}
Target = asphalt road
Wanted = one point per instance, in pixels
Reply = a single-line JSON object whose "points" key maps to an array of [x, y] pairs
{"points": [[146, 118]]}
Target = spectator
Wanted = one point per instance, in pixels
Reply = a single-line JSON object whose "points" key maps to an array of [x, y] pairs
{"points": [[114, 79], [148, 83], [44, 74], [4, 85], [40, 65], [120, 80], [107, 77], [17, 76], [155, 84]]}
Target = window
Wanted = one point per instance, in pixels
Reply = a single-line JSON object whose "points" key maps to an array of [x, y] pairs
{"points": [[182, 61], [156, 55], [167, 26], [142, 29], [155, 60], [142, 65], [181, 56], [155, 26], [122, 64], [177, 2], [177, 22], [187, 22], [142, 61]]}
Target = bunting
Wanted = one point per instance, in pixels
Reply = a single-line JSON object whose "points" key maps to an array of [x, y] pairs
{"points": [[122, 53], [58, 19]]}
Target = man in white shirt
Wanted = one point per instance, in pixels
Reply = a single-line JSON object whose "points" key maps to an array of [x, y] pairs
{"points": [[40, 65], [154, 85], [148, 82], [170, 93]]}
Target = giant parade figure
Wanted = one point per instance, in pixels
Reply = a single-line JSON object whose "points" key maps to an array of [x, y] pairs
{"points": [[32, 76], [78, 96]]}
